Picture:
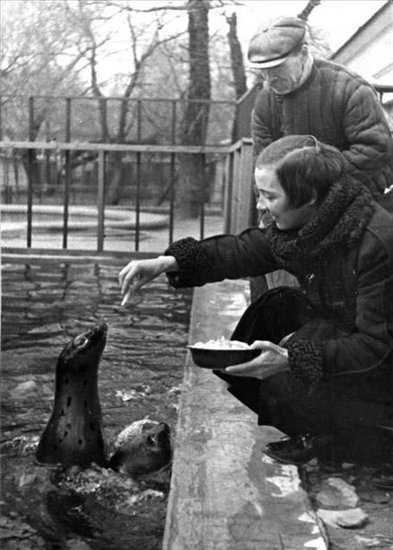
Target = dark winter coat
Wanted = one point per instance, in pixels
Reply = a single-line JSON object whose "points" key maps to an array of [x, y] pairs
{"points": [[339, 108], [343, 259]]}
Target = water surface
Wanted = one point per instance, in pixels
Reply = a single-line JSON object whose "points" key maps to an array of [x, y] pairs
{"points": [[43, 307]]}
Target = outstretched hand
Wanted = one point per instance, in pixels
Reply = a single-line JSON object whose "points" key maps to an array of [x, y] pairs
{"points": [[139, 272], [273, 359]]}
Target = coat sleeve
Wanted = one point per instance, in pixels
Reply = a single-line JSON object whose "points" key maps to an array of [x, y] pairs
{"points": [[366, 131], [370, 345], [220, 257]]}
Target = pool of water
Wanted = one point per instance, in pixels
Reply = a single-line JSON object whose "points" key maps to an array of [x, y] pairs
{"points": [[140, 374], [49, 218]]}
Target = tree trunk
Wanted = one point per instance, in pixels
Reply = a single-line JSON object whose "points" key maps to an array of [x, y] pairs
{"points": [[115, 179], [311, 4], [191, 192], [115, 174], [237, 63]]}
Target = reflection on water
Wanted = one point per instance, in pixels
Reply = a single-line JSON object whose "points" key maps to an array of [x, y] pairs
{"points": [[43, 306]]}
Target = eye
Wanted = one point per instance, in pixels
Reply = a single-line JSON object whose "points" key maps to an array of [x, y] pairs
{"points": [[150, 440], [81, 341], [267, 196], [259, 194], [263, 195]]}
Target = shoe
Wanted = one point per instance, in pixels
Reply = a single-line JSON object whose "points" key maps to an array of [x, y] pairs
{"points": [[298, 450]]}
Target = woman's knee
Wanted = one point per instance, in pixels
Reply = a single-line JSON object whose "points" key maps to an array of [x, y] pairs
{"points": [[277, 313]]}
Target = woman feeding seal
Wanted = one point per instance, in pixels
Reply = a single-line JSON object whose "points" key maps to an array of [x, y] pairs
{"points": [[325, 368]]}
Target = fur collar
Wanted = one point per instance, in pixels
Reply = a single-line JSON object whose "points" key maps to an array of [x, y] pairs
{"points": [[339, 221]]}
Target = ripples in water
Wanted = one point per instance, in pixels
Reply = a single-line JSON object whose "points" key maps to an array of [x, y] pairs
{"points": [[43, 306]]}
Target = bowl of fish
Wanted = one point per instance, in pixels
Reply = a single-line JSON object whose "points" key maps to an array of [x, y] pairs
{"points": [[221, 353]]}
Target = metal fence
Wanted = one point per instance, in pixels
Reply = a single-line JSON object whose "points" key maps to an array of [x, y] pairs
{"points": [[231, 199]]}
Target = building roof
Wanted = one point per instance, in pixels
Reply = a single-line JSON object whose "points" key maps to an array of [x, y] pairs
{"points": [[380, 12]]}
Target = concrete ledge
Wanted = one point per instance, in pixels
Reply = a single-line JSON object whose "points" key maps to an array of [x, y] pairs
{"points": [[226, 494]]}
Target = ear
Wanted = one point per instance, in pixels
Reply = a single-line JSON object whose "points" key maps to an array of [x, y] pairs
{"points": [[304, 49]]}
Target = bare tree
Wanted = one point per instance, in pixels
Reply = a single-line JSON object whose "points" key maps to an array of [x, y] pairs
{"points": [[143, 41], [38, 57], [305, 13], [193, 182], [237, 60], [59, 47], [194, 188]]}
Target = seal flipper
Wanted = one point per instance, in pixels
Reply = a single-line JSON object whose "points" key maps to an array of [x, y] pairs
{"points": [[66, 509]]}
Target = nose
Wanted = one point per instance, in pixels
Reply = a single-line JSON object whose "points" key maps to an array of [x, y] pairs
{"points": [[163, 427], [163, 434], [273, 72], [261, 204]]}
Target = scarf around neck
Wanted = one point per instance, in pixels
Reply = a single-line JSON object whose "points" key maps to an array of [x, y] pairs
{"points": [[340, 220]]}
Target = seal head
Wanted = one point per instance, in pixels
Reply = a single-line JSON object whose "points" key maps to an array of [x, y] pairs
{"points": [[142, 448]]}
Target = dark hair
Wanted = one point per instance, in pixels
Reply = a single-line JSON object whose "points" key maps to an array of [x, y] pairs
{"points": [[305, 167]]}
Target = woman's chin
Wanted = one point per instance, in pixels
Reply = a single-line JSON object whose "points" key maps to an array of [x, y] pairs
{"points": [[283, 226], [278, 224]]}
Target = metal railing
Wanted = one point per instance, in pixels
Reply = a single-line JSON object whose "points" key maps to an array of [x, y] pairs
{"points": [[234, 202]]}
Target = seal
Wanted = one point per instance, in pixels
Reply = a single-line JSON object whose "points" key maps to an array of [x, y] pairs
{"points": [[141, 448], [73, 435], [84, 494]]}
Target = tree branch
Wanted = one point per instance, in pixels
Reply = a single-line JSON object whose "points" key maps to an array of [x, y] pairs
{"points": [[122, 7]]}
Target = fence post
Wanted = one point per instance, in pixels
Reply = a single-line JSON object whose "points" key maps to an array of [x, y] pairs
{"points": [[229, 161], [6, 175], [100, 201], [138, 176], [202, 204], [238, 191], [172, 173], [67, 178], [244, 218], [235, 190], [30, 178]]}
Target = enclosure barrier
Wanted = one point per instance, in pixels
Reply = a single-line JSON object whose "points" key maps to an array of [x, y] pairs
{"points": [[236, 185]]}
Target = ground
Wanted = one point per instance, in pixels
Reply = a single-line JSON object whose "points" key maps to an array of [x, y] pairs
{"points": [[366, 491]]}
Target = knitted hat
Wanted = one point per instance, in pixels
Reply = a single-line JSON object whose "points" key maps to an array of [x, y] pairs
{"points": [[271, 46]]}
